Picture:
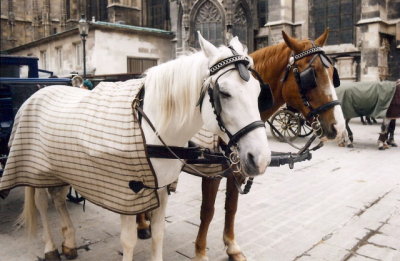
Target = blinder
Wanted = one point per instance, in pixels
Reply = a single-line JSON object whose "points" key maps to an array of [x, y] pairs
{"points": [[308, 79], [265, 99], [216, 97], [336, 79]]}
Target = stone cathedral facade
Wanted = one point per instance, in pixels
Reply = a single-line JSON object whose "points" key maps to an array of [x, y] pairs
{"points": [[24, 21], [364, 36]]}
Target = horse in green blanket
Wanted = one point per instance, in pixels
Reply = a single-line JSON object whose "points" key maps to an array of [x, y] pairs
{"points": [[374, 99]]}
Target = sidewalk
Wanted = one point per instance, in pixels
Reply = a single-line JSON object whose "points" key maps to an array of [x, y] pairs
{"points": [[344, 204]]}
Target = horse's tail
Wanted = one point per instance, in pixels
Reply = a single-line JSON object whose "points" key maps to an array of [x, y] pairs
{"points": [[28, 217]]}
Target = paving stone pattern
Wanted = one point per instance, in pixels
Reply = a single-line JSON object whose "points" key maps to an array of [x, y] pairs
{"points": [[343, 205]]}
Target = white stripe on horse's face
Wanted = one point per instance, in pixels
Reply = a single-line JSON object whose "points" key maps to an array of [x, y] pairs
{"points": [[340, 125]]}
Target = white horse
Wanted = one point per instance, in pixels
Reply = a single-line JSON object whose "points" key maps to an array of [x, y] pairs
{"points": [[172, 92]]}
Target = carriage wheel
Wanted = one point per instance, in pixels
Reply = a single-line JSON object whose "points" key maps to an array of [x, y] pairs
{"points": [[74, 196], [305, 128], [287, 123]]}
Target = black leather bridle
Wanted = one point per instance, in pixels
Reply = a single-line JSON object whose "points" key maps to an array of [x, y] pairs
{"points": [[306, 81], [242, 65]]}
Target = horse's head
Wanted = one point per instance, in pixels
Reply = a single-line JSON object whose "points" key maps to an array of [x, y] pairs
{"points": [[229, 105], [309, 86]]}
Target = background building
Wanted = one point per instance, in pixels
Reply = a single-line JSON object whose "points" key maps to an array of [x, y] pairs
{"points": [[111, 49], [125, 36], [364, 40], [24, 21]]}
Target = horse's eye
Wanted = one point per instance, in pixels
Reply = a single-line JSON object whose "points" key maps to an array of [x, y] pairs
{"points": [[225, 94]]}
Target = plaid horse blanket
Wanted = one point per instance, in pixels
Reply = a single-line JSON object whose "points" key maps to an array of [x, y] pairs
{"points": [[365, 98], [88, 139]]}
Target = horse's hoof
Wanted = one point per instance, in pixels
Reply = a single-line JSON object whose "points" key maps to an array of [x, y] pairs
{"points": [[350, 145], [69, 253], [52, 256], [341, 144], [237, 257], [200, 258], [144, 233]]}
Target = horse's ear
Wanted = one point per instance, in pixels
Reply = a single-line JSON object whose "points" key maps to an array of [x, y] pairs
{"points": [[292, 43], [208, 48], [237, 45], [321, 40]]}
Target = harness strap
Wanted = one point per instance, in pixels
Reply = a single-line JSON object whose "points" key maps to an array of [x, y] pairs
{"points": [[322, 108], [230, 60], [243, 131], [201, 174]]}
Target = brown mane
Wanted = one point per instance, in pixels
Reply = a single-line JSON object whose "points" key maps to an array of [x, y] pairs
{"points": [[270, 62]]}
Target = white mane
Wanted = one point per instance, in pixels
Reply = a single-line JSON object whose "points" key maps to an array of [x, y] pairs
{"points": [[174, 87]]}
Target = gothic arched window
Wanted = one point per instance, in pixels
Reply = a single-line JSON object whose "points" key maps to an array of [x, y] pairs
{"points": [[239, 26], [158, 14], [340, 16], [208, 21]]}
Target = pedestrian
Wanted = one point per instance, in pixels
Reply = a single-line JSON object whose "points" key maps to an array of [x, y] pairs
{"points": [[87, 84], [76, 81]]}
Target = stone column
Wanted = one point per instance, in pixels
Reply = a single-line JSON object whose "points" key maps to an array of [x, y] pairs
{"points": [[63, 15], [11, 24], [279, 18], [371, 18], [46, 18]]}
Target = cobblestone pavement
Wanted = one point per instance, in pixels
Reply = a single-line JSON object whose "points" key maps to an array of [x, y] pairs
{"points": [[344, 204]]}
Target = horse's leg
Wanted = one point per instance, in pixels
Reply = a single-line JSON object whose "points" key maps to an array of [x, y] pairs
{"points": [[368, 118], [383, 135], [362, 120], [50, 250], [232, 196], [392, 127], [350, 145], [58, 194], [209, 193], [143, 228], [157, 222], [128, 236]]}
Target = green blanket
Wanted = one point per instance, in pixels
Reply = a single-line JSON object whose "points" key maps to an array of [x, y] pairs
{"points": [[365, 98]]}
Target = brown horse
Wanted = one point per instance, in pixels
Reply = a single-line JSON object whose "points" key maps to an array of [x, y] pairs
{"points": [[272, 64]]}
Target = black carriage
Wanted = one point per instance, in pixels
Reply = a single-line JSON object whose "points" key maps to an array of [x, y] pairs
{"points": [[20, 77]]}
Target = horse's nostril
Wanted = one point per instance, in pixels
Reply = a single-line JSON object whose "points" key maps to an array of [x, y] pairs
{"points": [[333, 127], [333, 131], [250, 159]]}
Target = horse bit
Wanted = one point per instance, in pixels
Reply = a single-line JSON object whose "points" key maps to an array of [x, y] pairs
{"points": [[306, 81]]}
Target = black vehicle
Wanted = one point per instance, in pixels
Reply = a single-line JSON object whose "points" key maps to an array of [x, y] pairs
{"points": [[19, 79]]}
